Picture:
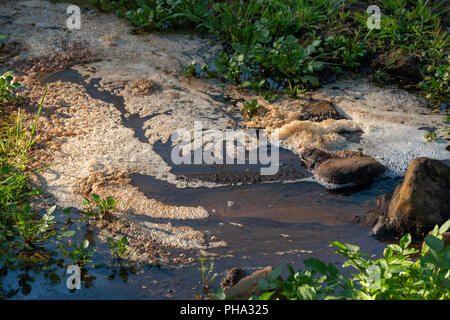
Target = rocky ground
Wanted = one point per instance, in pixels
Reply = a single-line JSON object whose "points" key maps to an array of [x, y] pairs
{"points": [[112, 96]]}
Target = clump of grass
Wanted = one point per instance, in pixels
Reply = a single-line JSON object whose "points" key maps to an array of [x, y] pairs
{"points": [[297, 43]]}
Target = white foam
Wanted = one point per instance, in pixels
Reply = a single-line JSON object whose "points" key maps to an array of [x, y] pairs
{"points": [[396, 145]]}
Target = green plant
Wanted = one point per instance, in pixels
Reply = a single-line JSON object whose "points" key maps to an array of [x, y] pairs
{"points": [[207, 274], [34, 229], [430, 136], [17, 139], [344, 51], [118, 248], [191, 70], [251, 107], [395, 276], [80, 255], [7, 87], [103, 206]]}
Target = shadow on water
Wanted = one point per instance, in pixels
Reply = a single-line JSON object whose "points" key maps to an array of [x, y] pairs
{"points": [[291, 168], [285, 202]]}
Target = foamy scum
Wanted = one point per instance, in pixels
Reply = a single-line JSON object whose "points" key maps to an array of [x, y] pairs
{"points": [[395, 145]]}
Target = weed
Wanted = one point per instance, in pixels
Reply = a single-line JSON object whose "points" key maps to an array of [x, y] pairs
{"points": [[430, 136], [97, 208], [191, 70], [80, 255], [33, 229], [7, 88], [118, 248], [251, 107], [207, 274]]}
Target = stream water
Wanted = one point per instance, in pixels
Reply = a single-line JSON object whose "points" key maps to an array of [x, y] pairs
{"points": [[263, 222]]}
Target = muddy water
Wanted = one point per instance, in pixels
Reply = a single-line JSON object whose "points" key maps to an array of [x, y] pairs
{"points": [[264, 221]]}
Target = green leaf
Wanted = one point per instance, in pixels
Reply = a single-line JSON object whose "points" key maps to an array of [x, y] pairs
{"points": [[66, 210], [266, 295], [396, 248], [306, 292], [444, 227], [275, 274], [405, 241], [263, 284], [219, 294], [85, 244], [50, 211], [352, 248], [435, 231], [434, 243], [311, 79], [339, 245], [316, 264], [69, 233], [332, 270], [387, 253]]}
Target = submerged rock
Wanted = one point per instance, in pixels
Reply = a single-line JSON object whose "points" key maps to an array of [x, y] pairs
{"points": [[248, 286], [232, 277], [416, 205], [344, 168]]}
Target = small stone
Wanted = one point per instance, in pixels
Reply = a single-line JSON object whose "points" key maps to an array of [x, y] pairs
{"points": [[230, 203]]}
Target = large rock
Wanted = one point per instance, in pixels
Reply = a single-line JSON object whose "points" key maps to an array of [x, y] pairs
{"points": [[418, 204], [408, 67], [248, 286], [354, 170], [345, 168]]}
